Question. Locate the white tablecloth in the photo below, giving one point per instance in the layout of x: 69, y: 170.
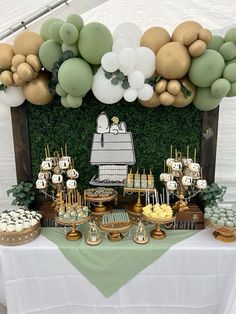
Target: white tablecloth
x: 195, y: 276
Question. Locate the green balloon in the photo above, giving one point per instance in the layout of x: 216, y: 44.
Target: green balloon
x: 76, y: 20
x: 216, y: 42
x: 75, y: 76
x: 49, y: 53
x: 207, y: 68
x: 228, y: 51
x: 44, y: 30
x: 220, y: 88
x: 232, y: 91
x: 54, y: 31
x: 74, y: 102
x: 231, y: 35
x: 64, y: 102
x: 95, y: 40
x: 69, y: 33
x: 230, y: 72
x: 204, y: 101
x: 60, y: 91
x: 73, y: 48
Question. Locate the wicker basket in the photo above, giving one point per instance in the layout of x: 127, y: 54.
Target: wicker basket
x: 17, y: 238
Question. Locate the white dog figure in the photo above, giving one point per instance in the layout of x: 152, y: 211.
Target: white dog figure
x: 103, y: 123
x: 176, y: 168
x: 57, y: 178
x: 201, y: 184
x: 169, y: 161
x: 71, y: 184
x: 46, y: 165
x: 171, y: 185
x: 41, y: 184
x: 194, y: 170
x: 187, y: 180
x: 168, y: 177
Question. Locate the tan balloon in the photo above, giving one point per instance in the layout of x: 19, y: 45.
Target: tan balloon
x: 6, y: 78
x: 173, y: 61
x: 160, y: 86
x: 167, y: 99
x: 17, y: 79
x: 17, y: 59
x: 205, y: 35
x: 25, y: 71
x: 27, y: 43
x: 189, y: 37
x: 180, y: 100
x: 154, y: 38
x: 197, y: 48
x: 34, y: 61
x: 37, y: 91
x: 6, y: 55
x: 153, y: 102
x: 174, y: 87
x: 13, y: 69
x: 183, y: 28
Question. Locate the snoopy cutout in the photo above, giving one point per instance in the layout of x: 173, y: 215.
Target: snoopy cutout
x: 103, y: 123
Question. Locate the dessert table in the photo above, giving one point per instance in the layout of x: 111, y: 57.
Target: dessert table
x: 194, y: 276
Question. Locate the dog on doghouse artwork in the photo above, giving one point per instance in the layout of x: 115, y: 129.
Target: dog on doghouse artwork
x: 112, y: 151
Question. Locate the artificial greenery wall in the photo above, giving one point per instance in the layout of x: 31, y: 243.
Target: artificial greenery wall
x: 154, y: 130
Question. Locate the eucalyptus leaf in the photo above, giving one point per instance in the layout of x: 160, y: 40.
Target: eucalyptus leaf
x: 115, y: 81
x: 108, y: 75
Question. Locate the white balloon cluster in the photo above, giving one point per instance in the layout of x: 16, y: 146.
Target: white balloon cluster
x: 135, y: 62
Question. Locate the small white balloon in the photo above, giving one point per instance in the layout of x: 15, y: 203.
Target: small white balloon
x: 126, y: 70
x: 12, y: 96
x: 104, y: 90
x: 145, y: 61
x: 127, y: 57
x: 130, y: 32
x: 130, y: 94
x: 119, y: 44
x: 136, y: 79
x: 110, y: 62
x: 145, y: 93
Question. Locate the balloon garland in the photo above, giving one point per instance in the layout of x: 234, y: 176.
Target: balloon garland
x: 69, y: 58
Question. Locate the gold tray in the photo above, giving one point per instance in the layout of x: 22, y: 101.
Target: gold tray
x: 74, y: 222
x: 222, y: 233
x: 17, y: 238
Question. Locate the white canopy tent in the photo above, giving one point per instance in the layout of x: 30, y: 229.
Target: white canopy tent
x: 217, y: 15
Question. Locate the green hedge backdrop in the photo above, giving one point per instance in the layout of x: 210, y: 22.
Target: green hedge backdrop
x: 154, y: 130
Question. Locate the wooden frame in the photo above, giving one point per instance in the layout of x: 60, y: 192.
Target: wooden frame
x: 22, y: 146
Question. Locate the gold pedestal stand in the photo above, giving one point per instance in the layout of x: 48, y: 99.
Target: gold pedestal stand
x: 115, y: 236
x: 180, y: 205
x: 74, y: 234
x: 101, y: 208
x: 114, y: 230
x: 158, y: 233
x: 224, y: 237
x: 222, y: 233
x: 98, y: 203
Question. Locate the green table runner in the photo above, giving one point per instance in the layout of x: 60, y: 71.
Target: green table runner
x: 110, y: 265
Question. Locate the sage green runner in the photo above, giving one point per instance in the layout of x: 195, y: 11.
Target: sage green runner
x: 110, y: 265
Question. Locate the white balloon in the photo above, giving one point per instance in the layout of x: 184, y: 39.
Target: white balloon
x: 145, y: 93
x: 104, y: 90
x: 110, y: 62
x: 119, y: 44
x: 136, y: 79
x: 130, y: 32
x: 12, y: 96
x: 145, y: 61
x: 130, y: 94
x: 127, y: 57
x: 126, y: 70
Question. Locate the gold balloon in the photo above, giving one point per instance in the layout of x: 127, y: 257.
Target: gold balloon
x: 27, y: 43
x: 153, y: 102
x: 6, y: 78
x: 189, y: 37
x: 167, y: 99
x: 197, y: 48
x: 174, y: 87
x: 173, y: 61
x: 17, y: 59
x: 205, y: 35
x: 6, y: 55
x: 34, y: 61
x: 25, y: 71
x: 160, y: 86
x: 37, y: 91
x: 17, y: 79
x: 154, y: 38
x: 13, y: 69
x: 180, y: 100
x: 183, y: 28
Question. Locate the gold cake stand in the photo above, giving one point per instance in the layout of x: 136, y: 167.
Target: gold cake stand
x: 158, y: 233
x: 222, y: 233
x: 114, y: 230
x: 74, y: 234
x: 99, y: 203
